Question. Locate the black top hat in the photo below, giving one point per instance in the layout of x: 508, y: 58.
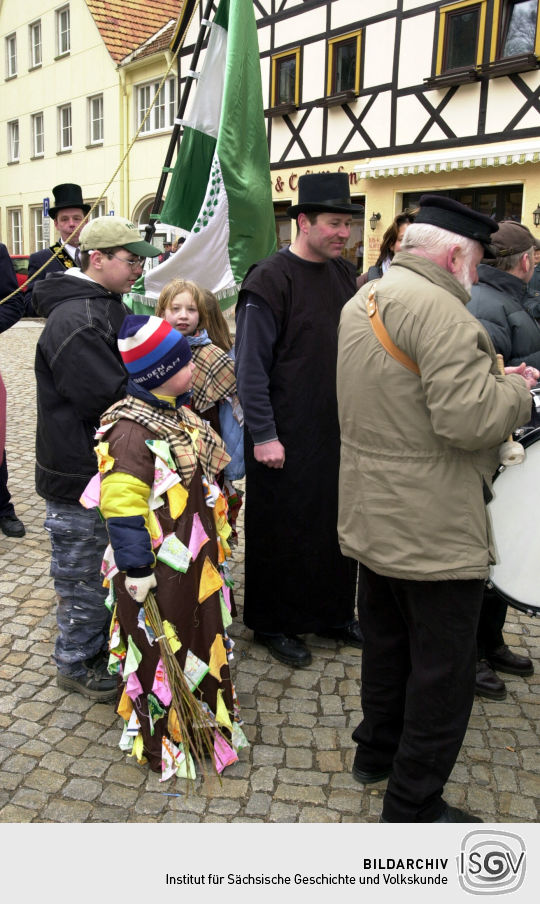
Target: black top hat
x: 67, y: 195
x: 448, y: 214
x: 324, y: 193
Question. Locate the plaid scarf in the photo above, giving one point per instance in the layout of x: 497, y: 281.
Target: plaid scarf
x: 213, y: 377
x: 190, y: 439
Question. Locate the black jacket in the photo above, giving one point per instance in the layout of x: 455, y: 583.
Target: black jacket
x: 79, y: 373
x: 498, y: 300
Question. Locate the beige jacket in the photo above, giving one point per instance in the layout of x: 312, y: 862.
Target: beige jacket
x: 417, y: 451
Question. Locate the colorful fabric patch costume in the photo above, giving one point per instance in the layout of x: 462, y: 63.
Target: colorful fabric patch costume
x: 166, y: 518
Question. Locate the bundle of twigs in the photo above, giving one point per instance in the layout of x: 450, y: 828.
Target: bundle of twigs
x: 196, y: 728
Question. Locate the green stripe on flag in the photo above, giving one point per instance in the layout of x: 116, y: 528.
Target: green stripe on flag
x: 186, y: 194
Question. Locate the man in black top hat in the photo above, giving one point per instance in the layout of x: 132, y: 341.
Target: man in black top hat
x: 296, y: 580
x: 420, y: 438
x: 68, y: 213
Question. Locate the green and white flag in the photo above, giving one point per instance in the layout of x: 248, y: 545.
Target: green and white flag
x: 220, y: 189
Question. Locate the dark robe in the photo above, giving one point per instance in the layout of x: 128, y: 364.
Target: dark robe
x: 296, y: 579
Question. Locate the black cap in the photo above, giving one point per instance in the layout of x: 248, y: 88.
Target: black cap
x: 67, y: 195
x: 448, y: 214
x: 324, y: 193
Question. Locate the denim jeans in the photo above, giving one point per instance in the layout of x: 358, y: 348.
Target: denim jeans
x: 78, y: 541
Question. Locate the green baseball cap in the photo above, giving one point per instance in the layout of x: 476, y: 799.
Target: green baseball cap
x: 115, y: 232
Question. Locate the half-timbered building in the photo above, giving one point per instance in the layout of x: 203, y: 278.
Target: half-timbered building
x: 406, y: 96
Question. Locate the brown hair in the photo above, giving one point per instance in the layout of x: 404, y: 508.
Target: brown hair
x: 390, y: 237
x: 172, y: 289
x: 217, y: 326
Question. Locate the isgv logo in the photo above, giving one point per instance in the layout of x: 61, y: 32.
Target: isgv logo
x: 491, y: 863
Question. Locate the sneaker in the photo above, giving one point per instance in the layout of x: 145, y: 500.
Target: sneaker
x: 96, y: 683
x: 11, y: 526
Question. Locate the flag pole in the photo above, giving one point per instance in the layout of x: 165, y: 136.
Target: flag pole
x: 166, y: 169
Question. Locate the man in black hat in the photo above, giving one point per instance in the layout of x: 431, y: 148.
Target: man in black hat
x: 423, y: 411
x: 296, y: 580
x: 500, y: 301
x: 68, y: 213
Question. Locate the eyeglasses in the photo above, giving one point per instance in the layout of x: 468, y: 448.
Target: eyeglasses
x: 138, y: 262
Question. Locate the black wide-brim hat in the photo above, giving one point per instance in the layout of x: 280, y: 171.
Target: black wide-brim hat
x: 448, y: 214
x: 67, y: 195
x: 324, y: 193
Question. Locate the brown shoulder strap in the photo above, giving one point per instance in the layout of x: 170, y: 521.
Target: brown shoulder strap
x: 382, y: 335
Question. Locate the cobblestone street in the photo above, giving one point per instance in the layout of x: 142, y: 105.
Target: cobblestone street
x: 59, y: 754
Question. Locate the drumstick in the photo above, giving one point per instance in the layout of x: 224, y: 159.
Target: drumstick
x: 511, y: 452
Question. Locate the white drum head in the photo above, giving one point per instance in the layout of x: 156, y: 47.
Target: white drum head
x: 515, y: 519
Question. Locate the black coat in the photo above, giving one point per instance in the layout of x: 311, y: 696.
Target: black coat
x: 10, y: 311
x: 296, y: 579
x: 35, y: 261
x: 79, y: 373
x: 499, y: 301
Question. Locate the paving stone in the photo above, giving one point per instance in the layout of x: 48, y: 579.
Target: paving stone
x: 118, y: 796
x: 124, y: 774
x: 258, y: 804
x: 82, y: 789
x: 43, y: 780
x: 299, y: 758
x: 266, y: 756
x: 10, y: 813
x: 30, y: 798
x: 318, y: 814
x: 150, y: 804
x: 109, y: 814
x: 263, y: 779
x: 88, y: 767
x: 66, y: 811
x: 57, y: 762
x: 300, y: 793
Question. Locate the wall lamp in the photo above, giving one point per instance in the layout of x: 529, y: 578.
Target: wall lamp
x: 536, y: 216
x: 375, y: 217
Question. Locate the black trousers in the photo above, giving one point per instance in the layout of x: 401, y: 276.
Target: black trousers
x: 491, y: 623
x: 6, y: 506
x: 418, y: 680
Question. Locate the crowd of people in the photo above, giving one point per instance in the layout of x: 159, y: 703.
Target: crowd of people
x: 365, y: 516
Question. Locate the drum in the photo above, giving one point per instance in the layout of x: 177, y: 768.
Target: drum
x: 515, y: 520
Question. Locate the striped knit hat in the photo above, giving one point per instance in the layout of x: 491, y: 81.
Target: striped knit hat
x: 151, y: 350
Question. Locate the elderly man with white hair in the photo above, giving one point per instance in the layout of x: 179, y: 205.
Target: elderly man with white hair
x: 422, y: 412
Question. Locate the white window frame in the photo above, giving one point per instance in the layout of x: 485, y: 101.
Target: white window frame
x: 15, y: 227
x: 35, y: 44
x: 39, y: 241
x: 63, y: 31
x: 11, y: 55
x: 95, y: 123
x: 38, y: 135
x: 163, y: 112
x: 65, y: 129
x: 100, y: 210
x: 14, y: 145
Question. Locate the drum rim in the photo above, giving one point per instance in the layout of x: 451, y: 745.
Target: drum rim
x: 530, y: 609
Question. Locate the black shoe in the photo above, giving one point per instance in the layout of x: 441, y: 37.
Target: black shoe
x: 11, y: 526
x: 368, y: 778
x: 488, y: 684
x: 286, y: 647
x: 96, y: 683
x: 350, y: 635
x: 451, y: 814
x: 454, y: 814
x: 503, y: 660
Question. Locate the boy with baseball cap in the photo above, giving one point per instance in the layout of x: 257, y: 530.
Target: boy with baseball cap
x: 79, y: 373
